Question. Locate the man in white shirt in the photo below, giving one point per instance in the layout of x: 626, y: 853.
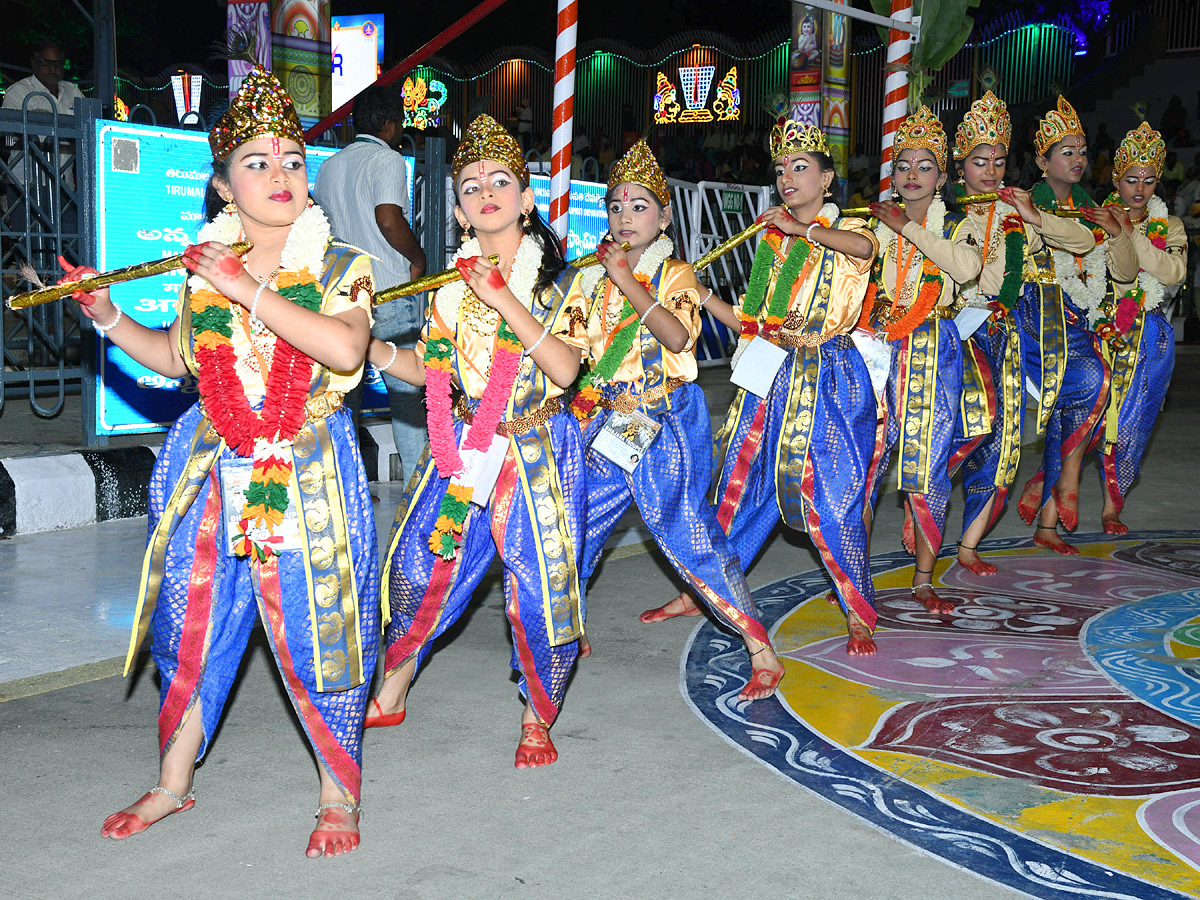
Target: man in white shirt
x: 363, y: 190
x: 30, y: 94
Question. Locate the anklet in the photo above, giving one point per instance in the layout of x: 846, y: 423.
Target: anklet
x: 1046, y: 527
x: 962, y: 546
x: 179, y: 801
x: 760, y: 650
x: 346, y: 806
x: 922, y: 571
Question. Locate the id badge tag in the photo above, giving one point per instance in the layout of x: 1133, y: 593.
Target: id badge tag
x: 1032, y: 389
x: 625, y: 438
x: 760, y: 362
x: 235, y: 478
x: 877, y: 354
x: 969, y: 319
x: 482, y: 469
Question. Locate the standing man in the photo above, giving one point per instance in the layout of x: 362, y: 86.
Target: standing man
x: 363, y: 190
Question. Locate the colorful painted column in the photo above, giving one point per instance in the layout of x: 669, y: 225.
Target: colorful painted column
x: 895, y: 91
x: 835, y: 117
x: 564, y: 116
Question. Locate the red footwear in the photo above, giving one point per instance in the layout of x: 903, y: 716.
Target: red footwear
x: 908, y: 536
x: 585, y: 647
x: 1031, y: 499
x: 380, y: 719
x: 333, y: 841
x: 1068, y: 509
x: 1114, y: 525
x: 683, y: 607
x: 1058, y: 546
x: 535, y: 748
x: 762, y: 683
x: 123, y: 824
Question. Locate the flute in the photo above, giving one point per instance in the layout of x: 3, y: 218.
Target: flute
x: 430, y: 282
x: 1070, y: 213
x: 116, y: 276
x: 988, y: 197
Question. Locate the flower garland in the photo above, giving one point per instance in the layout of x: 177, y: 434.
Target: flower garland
x: 446, y: 537
x: 266, y: 435
x: 929, y: 286
x: 602, y: 372
x: 1087, y: 292
x: 1012, y: 227
x: 795, y: 270
x: 1155, y: 227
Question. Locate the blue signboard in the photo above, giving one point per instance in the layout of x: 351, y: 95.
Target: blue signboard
x: 587, y: 220
x: 150, y: 185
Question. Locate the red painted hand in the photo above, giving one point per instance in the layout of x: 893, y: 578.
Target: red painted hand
x: 890, y: 214
x: 78, y: 273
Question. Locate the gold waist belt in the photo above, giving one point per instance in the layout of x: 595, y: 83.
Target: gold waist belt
x: 628, y: 402
x: 323, y: 405
x: 519, y: 425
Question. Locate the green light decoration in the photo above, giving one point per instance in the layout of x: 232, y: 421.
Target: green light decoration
x: 423, y: 102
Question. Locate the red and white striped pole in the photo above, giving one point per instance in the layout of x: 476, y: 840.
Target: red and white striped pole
x: 564, y: 116
x: 895, y: 91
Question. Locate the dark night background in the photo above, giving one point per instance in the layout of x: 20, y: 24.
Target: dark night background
x: 152, y: 35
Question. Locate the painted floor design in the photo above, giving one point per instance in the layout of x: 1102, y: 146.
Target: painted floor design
x: 1046, y: 735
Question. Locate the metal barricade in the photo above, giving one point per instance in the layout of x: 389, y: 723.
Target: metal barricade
x: 707, y: 213
x: 44, y: 216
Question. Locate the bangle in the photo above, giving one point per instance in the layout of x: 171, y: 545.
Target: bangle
x: 808, y: 233
x: 707, y: 297
x: 254, y: 320
x: 651, y: 309
x: 105, y: 329
x: 395, y: 350
x: 538, y: 342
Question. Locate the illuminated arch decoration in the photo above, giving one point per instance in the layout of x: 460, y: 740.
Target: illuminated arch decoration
x: 696, y: 82
x: 423, y: 102
x: 666, y: 107
x: 728, y: 104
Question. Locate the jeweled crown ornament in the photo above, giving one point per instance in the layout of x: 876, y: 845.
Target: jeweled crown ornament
x: 922, y: 131
x: 638, y: 166
x: 261, y: 107
x: 986, y: 122
x: 791, y: 136
x: 1143, y: 146
x: 485, y: 138
x: 1056, y: 125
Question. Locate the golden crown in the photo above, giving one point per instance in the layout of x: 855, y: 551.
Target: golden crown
x: 485, y: 138
x: 638, y: 166
x: 790, y: 136
x: 922, y: 131
x: 1141, y: 147
x: 986, y: 122
x: 261, y: 107
x: 1057, y: 124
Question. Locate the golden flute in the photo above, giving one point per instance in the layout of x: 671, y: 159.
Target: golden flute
x: 989, y: 197
x: 1068, y: 213
x: 725, y: 246
x: 117, y: 276
x: 430, y: 282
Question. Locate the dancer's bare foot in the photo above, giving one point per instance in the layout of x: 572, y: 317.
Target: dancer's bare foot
x: 683, y: 605
x: 1031, y: 499
x: 585, y: 647
x: 766, y: 671
x: 861, y: 642
x: 930, y: 600
x: 1112, y: 524
x: 1047, y: 536
x: 908, y: 535
x: 535, y: 748
x: 157, y: 803
x: 1068, y: 508
x: 336, y: 832
x: 969, y: 559
x: 831, y: 598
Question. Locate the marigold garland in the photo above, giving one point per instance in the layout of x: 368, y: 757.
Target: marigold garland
x: 446, y: 537
x: 629, y: 323
x: 929, y: 290
x: 1014, y: 264
x: 795, y: 269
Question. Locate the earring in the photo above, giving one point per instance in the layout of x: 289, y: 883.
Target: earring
x: 895, y: 196
x: 828, y: 193
x: 526, y: 223
x: 466, y: 234
x: 230, y: 207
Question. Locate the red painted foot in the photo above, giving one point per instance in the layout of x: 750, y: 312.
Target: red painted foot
x: 1055, y: 543
x: 380, y: 719
x: 680, y: 606
x: 971, y: 561
x: 126, y: 823
x: 535, y: 748
x: 1114, y: 525
x: 585, y: 647
x: 1031, y: 499
x: 336, y: 832
x: 1068, y: 509
x: 860, y: 643
x: 908, y: 537
x: 930, y: 600
x: 762, y: 683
